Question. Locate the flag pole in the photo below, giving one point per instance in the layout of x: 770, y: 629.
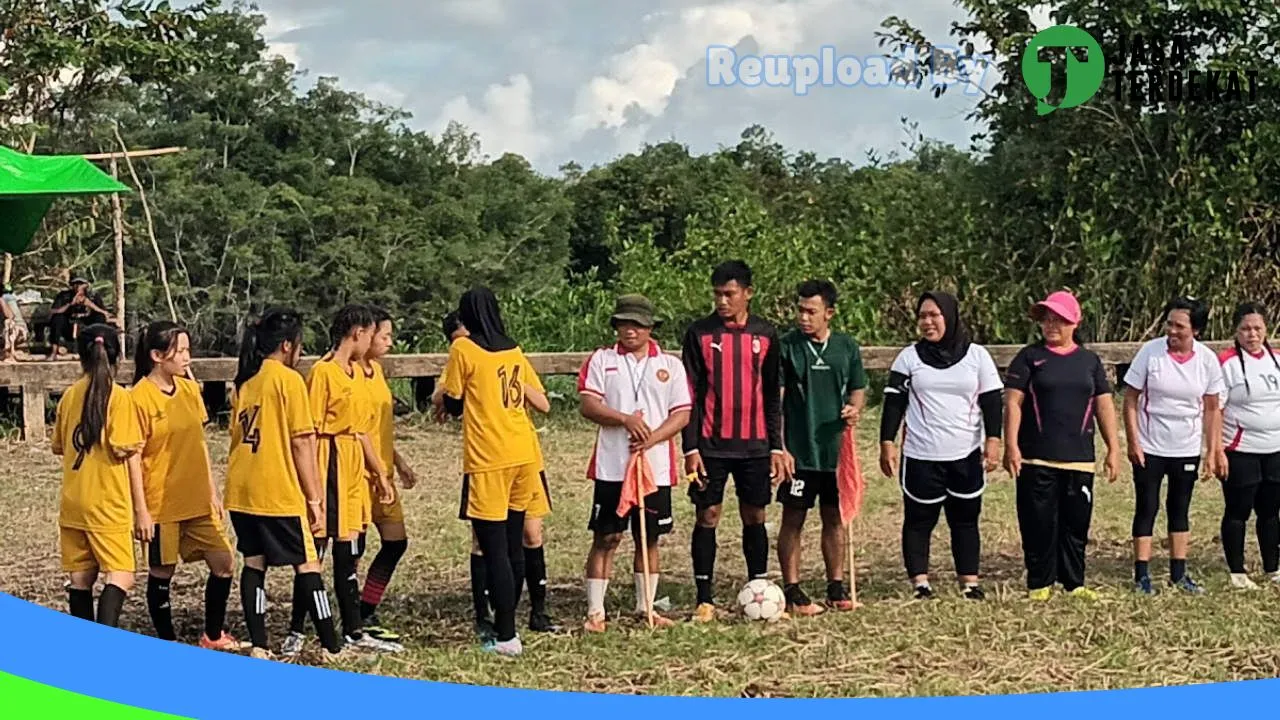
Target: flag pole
x: 644, y: 549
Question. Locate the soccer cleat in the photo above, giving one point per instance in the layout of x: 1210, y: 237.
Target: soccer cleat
x: 293, y: 645
x: 261, y: 654
x: 1040, y: 594
x: 1084, y: 593
x: 373, y: 644
x: 224, y: 643
x: 1143, y: 586
x: 594, y: 624
x: 1241, y: 581
x: 375, y: 629
x: 1189, y: 586
x: 973, y: 592
x: 539, y: 622
x: 506, y: 648
x: 800, y: 604
x: 704, y: 613
x: 923, y: 592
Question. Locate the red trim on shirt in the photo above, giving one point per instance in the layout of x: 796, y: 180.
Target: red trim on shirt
x: 1235, y: 441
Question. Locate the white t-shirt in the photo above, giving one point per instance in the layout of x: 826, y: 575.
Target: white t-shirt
x: 1251, y: 414
x: 656, y: 384
x: 1171, y: 406
x: 943, y: 421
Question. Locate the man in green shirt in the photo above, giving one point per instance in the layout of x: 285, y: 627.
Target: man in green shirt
x: 824, y: 388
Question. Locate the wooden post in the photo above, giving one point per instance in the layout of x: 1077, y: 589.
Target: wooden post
x: 117, y: 227
x: 8, y: 268
x: 34, y: 398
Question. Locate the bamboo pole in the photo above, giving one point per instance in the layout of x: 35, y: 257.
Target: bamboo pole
x: 134, y: 153
x: 151, y: 229
x: 117, y: 227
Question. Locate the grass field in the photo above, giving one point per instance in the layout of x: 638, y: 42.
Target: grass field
x: 891, y: 647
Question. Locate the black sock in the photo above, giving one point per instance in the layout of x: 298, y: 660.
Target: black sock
x: 216, y: 592
x: 379, y: 575
x: 347, y: 588
x: 1177, y: 570
x: 159, y: 607
x: 253, y: 601
x: 835, y: 589
x: 535, y: 562
x: 704, y: 562
x: 755, y: 548
x: 110, y: 602
x: 1141, y: 569
x: 479, y: 593
x: 309, y: 592
x: 80, y: 603
x: 298, y: 614
x: 492, y: 537
x: 515, y: 550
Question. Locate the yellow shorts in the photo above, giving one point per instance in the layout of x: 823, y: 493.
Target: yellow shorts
x: 91, y: 549
x: 393, y: 513
x: 341, y: 465
x: 532, y: 498
x: 491, y: 494
x: 188, y: 540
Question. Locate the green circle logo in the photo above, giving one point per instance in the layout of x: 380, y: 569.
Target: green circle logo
x: 1084, y: 77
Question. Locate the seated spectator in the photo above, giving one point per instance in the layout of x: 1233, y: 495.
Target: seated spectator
x: 14, y: 329
x: 74, y: 308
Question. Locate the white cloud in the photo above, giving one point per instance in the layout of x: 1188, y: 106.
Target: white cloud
x: 475, y: 12
x: 504, y: 119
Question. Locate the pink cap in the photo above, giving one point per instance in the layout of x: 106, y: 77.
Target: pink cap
x: 1062, y: 303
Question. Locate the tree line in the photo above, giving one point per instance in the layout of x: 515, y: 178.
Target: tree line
x: 321, y: 197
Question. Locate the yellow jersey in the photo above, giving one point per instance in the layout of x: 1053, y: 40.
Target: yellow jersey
x: 270, y: 410
x: 496, y: 430
x: 175, y: 459
x: 383, y: 432
x: 95, y: 481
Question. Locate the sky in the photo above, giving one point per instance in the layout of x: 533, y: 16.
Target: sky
x: 590, y: 80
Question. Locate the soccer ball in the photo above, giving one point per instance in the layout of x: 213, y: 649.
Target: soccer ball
x: 761, y: 600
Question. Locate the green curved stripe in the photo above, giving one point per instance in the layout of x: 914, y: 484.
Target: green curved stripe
x: 21, y: 699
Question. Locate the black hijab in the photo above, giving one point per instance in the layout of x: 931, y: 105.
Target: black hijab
x: 954, y: 344
x: 478, y: 311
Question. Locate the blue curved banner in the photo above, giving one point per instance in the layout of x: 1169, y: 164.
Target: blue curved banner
x: 54, y: 649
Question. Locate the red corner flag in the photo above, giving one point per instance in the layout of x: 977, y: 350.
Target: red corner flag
x: 637, y: 483
x: 849, y: 478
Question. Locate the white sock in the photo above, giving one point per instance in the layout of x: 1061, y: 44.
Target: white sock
x: 595, y: 596
x: 653, y: 590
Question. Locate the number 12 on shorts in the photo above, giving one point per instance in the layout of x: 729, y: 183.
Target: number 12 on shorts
x: 797, y: 487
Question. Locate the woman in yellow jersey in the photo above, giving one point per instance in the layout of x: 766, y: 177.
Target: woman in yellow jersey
x: 489, y: 375
x: 530, y: 564
x: 103, y: 507
x: 273, y: 491
x: 178, y: 478
x: 348, y: 463
x: 389, y: 519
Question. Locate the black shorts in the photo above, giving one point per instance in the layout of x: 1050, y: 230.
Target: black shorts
x: 1180, y: 471
x: 283, y: 541
x: 931, y: 481
x: 604, y: 512
x: 1250, y: 469
x: 807, y: 487
x: 751, y: 481
x: 331, y: 497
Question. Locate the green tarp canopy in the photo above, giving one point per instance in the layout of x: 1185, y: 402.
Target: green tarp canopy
x: 29, y: 184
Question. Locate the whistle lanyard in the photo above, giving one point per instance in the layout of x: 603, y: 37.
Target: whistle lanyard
x: 636, y: 382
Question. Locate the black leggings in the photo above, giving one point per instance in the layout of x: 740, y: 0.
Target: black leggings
x: 918, y: 522
x: 1182, y: 474
x: 1252, y: 486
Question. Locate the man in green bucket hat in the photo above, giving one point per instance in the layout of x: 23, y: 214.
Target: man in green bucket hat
x: 639, y: 396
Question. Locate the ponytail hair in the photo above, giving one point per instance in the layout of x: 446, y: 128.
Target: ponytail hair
x: 160, y: 336
x: 1244, y: 310
x: 263, y: 337
x: 99, y: 350
x: 348, y: 319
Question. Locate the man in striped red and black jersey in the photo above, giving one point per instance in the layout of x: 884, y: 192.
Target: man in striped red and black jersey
x: 731, y: 358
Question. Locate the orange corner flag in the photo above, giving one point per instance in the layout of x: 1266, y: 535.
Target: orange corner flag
x: 849, y: 478
x: 637, y: 483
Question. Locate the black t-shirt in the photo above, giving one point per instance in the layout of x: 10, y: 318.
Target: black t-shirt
x: 1058, y: 404
x: 77, y: 312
